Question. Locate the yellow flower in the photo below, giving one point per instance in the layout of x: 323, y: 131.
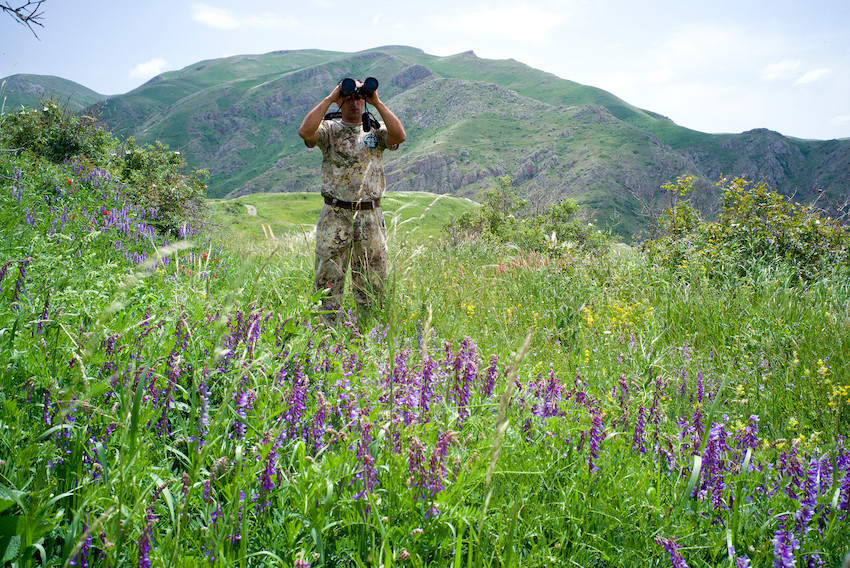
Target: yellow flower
x: 470, y: 310
x: 588, y: 316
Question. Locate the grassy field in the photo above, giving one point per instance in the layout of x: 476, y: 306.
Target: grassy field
x: 408, y: 215
x: 181, y: 403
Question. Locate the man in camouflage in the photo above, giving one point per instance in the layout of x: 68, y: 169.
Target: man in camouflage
x: 351, y: 229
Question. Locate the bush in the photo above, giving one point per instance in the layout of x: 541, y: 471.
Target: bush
x: 158, y: 184
x: 558, y: 230
x: 57, y: 134
x: 756, y: 227
x: 155, y: 178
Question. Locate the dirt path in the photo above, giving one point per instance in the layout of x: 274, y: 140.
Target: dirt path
x: 252, y: 211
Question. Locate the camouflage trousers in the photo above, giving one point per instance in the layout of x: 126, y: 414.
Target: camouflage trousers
x: 351, y: 238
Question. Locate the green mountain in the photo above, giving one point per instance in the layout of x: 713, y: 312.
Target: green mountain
x: 468, y: 120
x: 29, y: 90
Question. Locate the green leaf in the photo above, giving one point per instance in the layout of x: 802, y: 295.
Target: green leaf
x: 10, y: 547
x: 9, y: 497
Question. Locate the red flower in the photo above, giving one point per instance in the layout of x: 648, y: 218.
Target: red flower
x: 106, y: 212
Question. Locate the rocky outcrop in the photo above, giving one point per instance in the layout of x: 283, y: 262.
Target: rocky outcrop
x: 410, y: 76
x: 437, y: 173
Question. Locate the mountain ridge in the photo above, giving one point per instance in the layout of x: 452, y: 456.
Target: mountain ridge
x: 468, y: 120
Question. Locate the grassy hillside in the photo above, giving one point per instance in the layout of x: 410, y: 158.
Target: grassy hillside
x: 17, y: 91
x: 242, y: 126
x: 469, y: 120
x: 410, y: 216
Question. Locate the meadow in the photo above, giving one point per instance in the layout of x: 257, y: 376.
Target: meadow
x: 172, y: 397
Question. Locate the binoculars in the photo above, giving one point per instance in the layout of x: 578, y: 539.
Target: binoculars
x: 348, y: 88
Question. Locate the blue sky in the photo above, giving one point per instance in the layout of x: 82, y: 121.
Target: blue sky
x: 720, y: 66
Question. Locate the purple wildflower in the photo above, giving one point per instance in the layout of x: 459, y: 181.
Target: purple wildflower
x: 742, y: 562
x: 784, y: 545
x: 639, y: 441
x: 437, y: 463
x: 810, y: 497
x: 750, y: 436
x: 672, y: 548
x: 427, y: 479
x: 46, y: 408
x: 379, y: 333
x: 270, y: 471
x: 713, y: 465
x: 843, y: 464
x: 551, y: 396
x: 144, y: 544
x: 367, y: 475
x: 426, y: 380
x: 244, y: 403
x: 464, y: 365
x: 790, y: 466
x: 416, y: 467
x: 297, y: 406
x: 82, y: 557
x: 490, y: 380
x: 44, y: 313
x: 595, y: 436
x: 318, y: 427
x: 700, y: 387
x: 3, y: 270
x: 22, y: 276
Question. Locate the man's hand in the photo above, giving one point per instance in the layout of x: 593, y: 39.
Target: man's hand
x: 310, y: 126
x: 336, y: 95
x: 395, y: 130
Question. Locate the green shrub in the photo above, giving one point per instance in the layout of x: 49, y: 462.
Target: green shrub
x: 156, y: 177
x: 756, y: 227
x: 557, y: 230
x: 158, y: 183
x: 57, y: 134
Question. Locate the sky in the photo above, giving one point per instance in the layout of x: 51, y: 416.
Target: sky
x: 721, y: 67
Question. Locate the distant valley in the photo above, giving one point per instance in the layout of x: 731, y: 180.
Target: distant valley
x: 468, y: 120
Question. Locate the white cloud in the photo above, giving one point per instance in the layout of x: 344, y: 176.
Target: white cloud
x: 840, y: 120
x: 149, y: 69
x: 813, y: 76
x: 223, y: 19
x: 782, y: 70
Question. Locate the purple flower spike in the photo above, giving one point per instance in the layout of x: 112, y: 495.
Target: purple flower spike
x: 810, y: 497
x: 784, y: 545
x: 639, y: 441
x: 595, y: 437
x: 672, y: 548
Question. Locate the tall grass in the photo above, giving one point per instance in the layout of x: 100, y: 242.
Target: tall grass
x: 181, y: 403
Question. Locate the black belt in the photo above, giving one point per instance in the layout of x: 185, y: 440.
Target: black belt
x: 353, y: 205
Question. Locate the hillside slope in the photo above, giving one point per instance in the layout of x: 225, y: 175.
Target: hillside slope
x: 17, y: 91
x: 468, y: 120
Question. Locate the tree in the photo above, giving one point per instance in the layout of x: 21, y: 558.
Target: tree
x: 27, y: 14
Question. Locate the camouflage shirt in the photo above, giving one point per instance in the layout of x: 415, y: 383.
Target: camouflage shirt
x: 352, y: 160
